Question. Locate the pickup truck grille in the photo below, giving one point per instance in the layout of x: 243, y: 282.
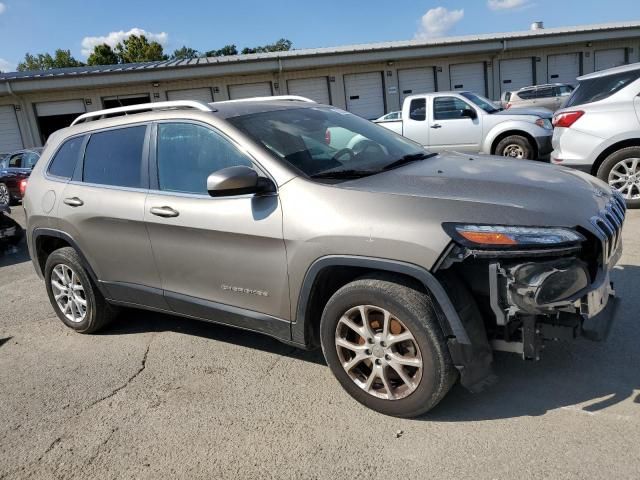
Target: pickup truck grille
x: 608, y: 224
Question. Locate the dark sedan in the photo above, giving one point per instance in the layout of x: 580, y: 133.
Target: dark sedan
x: 15, y: 168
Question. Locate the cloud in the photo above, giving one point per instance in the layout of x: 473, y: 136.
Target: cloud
x: 6, y: 66
x: 437, y: 22
x: 111, y: 39
x: 507, y: 4
x: 3, y: 8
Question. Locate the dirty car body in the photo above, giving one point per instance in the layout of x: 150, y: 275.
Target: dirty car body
x: 531, y: 244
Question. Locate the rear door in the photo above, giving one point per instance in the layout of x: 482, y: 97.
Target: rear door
x: 546, y: 97
x: 212, y: 253
x: 102, y: 208
x: 414, y: 123
x: 449, y: 129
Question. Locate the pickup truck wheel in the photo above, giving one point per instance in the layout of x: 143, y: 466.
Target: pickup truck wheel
x: 74, y: 297
x: 383, y: 343
x: 621, y: 170
x: 515, y: 146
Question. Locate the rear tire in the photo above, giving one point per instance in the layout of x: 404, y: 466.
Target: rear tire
x: 619, y: 172
x: 375, y: 380
x: 516, y: 147
x: 73, y: 295
x: 5, y: 196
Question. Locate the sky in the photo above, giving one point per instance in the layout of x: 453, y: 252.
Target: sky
x: 37, y: 26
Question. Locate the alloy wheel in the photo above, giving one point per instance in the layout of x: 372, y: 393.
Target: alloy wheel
x: 69, y: 293
x: 4, y: 195
x: 625, y: 178
x: 513, y: 151
x: 378, y: 352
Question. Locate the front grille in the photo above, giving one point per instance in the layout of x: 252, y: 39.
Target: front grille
x: 608, y: 224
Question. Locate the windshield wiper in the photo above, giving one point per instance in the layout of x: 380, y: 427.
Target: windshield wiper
x: 345, y: 174
x: 412, y: 157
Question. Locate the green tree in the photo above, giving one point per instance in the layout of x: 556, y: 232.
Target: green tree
x: 225, y: 51
x: 45, y: 61
x: 281, y: 45
x: 185, y: 53
x: 102, y: 55
x: 138, y: 49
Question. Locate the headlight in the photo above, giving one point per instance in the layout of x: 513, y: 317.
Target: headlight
x: 544, y: 123
x: 496, y: 236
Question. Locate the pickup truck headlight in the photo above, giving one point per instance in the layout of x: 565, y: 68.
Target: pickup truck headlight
x: 544, y: 123
x: 497, y: 236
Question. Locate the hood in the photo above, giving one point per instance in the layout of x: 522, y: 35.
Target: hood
x: 497, y: 190
x: 537, y: 112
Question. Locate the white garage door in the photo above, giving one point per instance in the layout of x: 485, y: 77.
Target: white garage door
x: 468, y: 76
x: 317, y: 89
x: 200, y: 94
x: 364, y: 92
x: 64, y: 107
x: 609, y: 58
x: 248, y: 90
x: 515, y: 74
x: 563, y: 68
x: 10, y: 138
x: 416, y: 80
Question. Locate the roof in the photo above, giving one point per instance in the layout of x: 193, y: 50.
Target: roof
x: 311, y: 52
x: 610, y: 71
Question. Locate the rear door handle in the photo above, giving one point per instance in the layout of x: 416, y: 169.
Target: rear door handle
x: 73, y: 202
x: 436, y: 125
x: 166, y: 212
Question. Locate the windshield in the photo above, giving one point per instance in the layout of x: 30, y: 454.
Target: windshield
x: 484, y: 103
x: 323, y: 140
x: 599, y: 88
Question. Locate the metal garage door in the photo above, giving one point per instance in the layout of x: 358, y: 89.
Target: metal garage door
x: 563, y: 68
x: 248, y: 90
x: 515, y: 74
x: 468, y: 76
x: 416, y: 80
x: 200, y: 94
x: 317, y: 89
x: 10, y: 138
x: 364, y: 92
x: 65, y: 107
x: 609, y: 58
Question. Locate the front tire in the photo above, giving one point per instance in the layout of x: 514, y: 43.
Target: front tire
x: 383, y: 343
x: 621, y: 170
x: 515, y: 146
x: 73, y: 295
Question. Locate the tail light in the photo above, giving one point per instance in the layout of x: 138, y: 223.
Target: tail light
x: 327, y: 137
x: 566, y: 119
x: 23, y: 186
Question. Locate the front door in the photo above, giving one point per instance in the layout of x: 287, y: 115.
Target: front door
x: 450, y: 129
x: 218, y: 254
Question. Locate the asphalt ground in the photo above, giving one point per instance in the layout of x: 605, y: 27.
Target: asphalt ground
x: 156, y: 396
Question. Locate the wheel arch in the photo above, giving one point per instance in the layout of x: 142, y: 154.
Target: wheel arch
x: 521, y: 133
x: 602, y: 156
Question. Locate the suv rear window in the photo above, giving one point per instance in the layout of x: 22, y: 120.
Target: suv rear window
x: 114, y: 157
x: 600, y: 88
x: 64, y: 162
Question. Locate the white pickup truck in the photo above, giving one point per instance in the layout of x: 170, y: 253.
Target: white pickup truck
x: 464, y: 121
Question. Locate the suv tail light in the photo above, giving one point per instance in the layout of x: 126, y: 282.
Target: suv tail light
x: 567, y: 119
x: 23, y: 186
x: 327, y: 137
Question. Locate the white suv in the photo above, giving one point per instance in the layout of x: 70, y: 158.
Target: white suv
x: 598, y: 131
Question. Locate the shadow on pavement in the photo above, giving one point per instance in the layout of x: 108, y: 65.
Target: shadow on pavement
x: 12, y: 255
x: 582, y: 372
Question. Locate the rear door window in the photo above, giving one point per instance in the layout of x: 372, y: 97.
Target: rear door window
x: 65, y: 160
x: 599, y: 88
x: 114, y: 157
x: 418, y: 109
x: 545, y: 92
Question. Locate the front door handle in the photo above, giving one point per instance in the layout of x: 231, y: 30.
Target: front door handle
x: 436, y: 125
x: 166, y: 212
x: 73, y: 202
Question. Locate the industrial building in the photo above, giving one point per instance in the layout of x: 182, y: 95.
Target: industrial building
x: 368, y: 80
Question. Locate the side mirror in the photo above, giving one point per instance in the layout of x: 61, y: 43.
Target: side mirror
x: 238, y: 180
x: 469, y: 113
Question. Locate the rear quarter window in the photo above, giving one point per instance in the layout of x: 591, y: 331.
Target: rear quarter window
x: 65, y: 160
x: 599, y: 88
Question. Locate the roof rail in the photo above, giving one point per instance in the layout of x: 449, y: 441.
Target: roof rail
x: 143, y: 107
x: 273, y: 98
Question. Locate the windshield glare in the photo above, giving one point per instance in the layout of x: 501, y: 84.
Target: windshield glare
x: 317, y: 140
x: 484, y: 103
